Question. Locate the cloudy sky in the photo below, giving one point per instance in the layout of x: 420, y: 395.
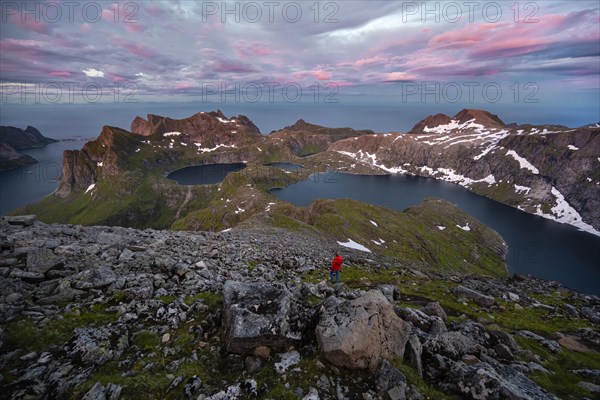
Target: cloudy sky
x: 177, y: 50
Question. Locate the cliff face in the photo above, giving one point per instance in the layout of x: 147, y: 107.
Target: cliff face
x: 550, y: 171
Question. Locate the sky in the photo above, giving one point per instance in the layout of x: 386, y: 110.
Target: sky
x: 502, y: 55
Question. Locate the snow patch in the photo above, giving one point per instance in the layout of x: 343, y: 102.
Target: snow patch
x: 351, y: 244
x: 100, y: 164
x: 208, y: 150
x: 441, y: 227
x: 91, y: 187
x: 239, y: 210
x: 520, y: 189
x: 373, y: 222
x: 224, y: 120
x: 171, y: 134
x: 571, y: 147
x: 225, y: 230
x: 523, y: 163
x: 466, y: 228
x: 563, y: 212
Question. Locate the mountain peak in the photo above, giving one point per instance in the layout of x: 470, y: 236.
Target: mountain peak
x: 480, y: 116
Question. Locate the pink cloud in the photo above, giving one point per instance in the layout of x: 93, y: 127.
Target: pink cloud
x: 85, y: 27
x: 134, y: 27
x: 245, y: 50
x: 398, y: 76
x: 135, y: 49
x: 322, y: 75
x: 61, y: 74
x: 28, y: 22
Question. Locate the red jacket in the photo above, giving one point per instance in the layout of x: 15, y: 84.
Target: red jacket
x: 336, y: 264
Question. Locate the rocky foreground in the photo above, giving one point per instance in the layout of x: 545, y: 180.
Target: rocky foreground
x: 109, y: 313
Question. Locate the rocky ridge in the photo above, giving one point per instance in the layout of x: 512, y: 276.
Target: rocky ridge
x: 109, y: 312
x: 552, y: 171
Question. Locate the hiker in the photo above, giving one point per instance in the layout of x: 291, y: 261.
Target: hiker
x: 336, y: 266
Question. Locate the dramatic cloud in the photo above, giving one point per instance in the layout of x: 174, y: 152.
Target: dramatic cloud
x: 176, y: 47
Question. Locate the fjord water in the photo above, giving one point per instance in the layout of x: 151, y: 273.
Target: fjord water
x: 26, y: 185
x: 536, y: 245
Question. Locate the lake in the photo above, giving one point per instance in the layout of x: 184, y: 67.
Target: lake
x: 537, y: 246
x: 204, y: 174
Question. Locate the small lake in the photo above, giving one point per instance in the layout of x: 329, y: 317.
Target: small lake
x: 286, y: 166
x: 207, y: 174
x: 537, y: 246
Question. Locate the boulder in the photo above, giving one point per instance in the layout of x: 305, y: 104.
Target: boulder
x: 95, y: 346
x: 479, y: 298
x: 261, y: 314
x: 360, y: 333
x: 453, y: 345
x: 42, y: 260
x: 94, y: 278
x: 99, y: 392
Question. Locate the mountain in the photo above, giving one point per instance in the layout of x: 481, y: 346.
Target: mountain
x: 10, y: 158
x: 551, y: 171
x: 119, y: 177
x: 304, y: 138
x: 12, y: 139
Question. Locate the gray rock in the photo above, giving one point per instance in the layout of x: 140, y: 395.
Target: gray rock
x: 479, y: 298
x: 261, y: 314
x: 95, y: 346
x: 43, y: 260
x: 99, y: 392
x: 453, y: 345
x: 589, y: 386
x: 482, y: 381
x: 94, y: 278
x: 413, y: 353
x: 391, y: 292
x: 435, y: 309
x: 20, y: 220
x: 14, y: 298
x: 192, y: 386
x: 389, y: 377
x: 503, y: 352
x: 360, y: 332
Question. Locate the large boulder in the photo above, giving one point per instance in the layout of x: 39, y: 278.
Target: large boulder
x: 360, y: 333
x: 261, y: 314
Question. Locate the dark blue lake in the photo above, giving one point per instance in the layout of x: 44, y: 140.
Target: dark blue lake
x: 537, y: 246
x: 204, y: 174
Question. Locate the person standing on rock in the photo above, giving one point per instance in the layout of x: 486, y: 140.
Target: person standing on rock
x: 336, y: 267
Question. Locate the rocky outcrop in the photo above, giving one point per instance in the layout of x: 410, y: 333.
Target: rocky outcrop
x: 551, y: 171
x: 360, y: 333
x: 261, y: 314
x: 20, y: 139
